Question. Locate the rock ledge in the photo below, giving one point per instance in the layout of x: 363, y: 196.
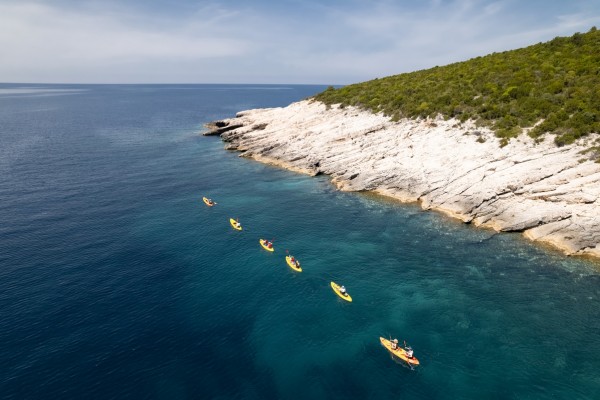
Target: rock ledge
x: 544, y: 191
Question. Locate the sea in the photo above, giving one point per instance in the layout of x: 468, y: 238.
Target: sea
x: 118, y: 282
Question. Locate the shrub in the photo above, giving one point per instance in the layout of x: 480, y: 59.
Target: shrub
x: 555, y: 85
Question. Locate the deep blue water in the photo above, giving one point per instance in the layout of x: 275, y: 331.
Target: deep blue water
x: 116, y: 281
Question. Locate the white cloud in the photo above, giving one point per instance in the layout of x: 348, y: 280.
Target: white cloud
x: 307, y: 42
x: 445, y: 32
x: 36, y: 36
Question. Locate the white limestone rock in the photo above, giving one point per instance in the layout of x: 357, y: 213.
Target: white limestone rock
x: 539, y: 189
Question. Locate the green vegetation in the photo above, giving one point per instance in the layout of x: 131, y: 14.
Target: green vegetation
x: 551, y: 87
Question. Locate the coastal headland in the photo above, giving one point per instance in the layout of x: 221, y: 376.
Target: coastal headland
x: 548, y: 193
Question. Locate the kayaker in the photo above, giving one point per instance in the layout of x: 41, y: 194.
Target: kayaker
x: 237, y: 224
x: 293, y: 260
x: 395, y: 344
x: 269, y: 244
x: 409, y: 351
x: 343, y: 290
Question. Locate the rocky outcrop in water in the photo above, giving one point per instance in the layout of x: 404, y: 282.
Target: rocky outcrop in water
x: 550, y: 193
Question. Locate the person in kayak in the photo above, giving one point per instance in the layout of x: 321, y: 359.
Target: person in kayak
x: 293, y: 260
x: 343, y: 290
x: 409, y: 351
x: 237, y: 224
x: 210, y: 202
x: 394, y: 344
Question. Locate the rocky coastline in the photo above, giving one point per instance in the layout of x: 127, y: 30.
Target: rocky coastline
x: 547, y: 192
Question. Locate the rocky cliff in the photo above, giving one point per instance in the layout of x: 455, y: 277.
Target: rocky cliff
x: 549, y: 193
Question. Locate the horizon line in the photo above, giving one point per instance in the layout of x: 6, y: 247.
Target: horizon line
x: 166, y: 83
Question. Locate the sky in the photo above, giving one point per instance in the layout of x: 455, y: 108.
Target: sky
x: 333, y: 42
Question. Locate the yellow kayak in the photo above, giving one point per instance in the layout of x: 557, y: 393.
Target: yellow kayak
x: 264, y: 243
x: 235, y: 224
x: 336, y: 289
x: 398, y: 352
x: 295, y: 265
x: 208, y: 202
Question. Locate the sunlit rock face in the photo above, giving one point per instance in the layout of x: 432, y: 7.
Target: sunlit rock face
x: 550, y: 193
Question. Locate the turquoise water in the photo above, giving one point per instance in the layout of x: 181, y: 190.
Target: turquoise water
x: 118, y: 282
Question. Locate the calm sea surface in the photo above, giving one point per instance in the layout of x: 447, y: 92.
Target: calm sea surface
x: 117, y: 282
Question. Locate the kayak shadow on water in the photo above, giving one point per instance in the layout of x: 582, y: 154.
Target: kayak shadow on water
x: 402, y: 363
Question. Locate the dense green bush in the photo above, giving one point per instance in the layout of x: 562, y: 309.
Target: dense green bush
x: 551, y: 87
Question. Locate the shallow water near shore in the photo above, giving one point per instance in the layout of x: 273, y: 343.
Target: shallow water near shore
x: 118, y: 282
